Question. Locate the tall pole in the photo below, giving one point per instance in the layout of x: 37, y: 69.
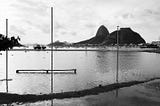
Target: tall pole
x: 51, y: 50
x: 117, y: 72
x: 7, y: 58
x: 117, y: 55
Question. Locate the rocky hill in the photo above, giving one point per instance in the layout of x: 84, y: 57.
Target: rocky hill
x: 126, y: 36
x: 101, y: 35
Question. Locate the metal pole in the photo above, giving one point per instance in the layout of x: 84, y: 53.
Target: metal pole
x: 117, y: 60
x: 51, y: 50
x: 117, y: 55
x: 7, y: 58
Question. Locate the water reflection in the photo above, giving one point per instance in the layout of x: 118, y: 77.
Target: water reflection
x: 94, y: 68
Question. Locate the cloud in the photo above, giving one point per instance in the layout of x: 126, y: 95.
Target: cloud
x: 30, y: 7
x: 127, y: 15
x: 43, y: 27
x: 90, y: 25
x: 77, y: 20
x: 30, y: 18
x: 59, y: 26
x: 19, y: 31
x: 73, y: 33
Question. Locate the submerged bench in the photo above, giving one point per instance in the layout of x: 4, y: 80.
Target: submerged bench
x: 45, y: 71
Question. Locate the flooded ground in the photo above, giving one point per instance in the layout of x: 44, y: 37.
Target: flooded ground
x: 93, y: 68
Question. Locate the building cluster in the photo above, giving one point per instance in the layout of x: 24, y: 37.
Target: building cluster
x: 156, y: 43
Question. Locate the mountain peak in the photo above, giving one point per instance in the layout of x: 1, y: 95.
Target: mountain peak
x: 101, y: 35
x: 102, y: 31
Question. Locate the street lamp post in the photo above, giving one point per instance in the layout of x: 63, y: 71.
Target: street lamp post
x: 7, y: 58
x: 51, y: 50
x: 117, y: 71
x: 117, y: 55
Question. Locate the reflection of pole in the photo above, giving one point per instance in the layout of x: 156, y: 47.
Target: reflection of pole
x: 7, y: 58
x: 117, y: 54
x: 86, y: 46
x: 51, y: 50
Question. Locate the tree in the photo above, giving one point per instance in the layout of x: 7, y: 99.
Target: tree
x: 8, y: 43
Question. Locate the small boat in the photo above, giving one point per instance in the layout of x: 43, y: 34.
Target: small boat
x: 39, y: 47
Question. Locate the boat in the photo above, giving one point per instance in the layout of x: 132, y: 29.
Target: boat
x: 39, y: 47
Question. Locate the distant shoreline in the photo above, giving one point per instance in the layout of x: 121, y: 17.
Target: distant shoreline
x: 93, y: 49
x: 101, y: 49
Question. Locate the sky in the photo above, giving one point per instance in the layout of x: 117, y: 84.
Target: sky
x: 76, y: 20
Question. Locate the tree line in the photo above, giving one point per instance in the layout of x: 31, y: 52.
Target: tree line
x: 7, y: 43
